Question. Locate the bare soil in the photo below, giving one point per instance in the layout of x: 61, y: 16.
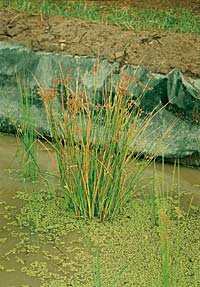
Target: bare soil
x: 159, y: 51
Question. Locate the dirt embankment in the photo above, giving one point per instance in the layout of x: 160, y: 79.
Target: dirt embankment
x: 157, y: 51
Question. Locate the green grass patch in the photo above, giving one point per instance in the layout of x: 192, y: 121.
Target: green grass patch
x: 178, y: 20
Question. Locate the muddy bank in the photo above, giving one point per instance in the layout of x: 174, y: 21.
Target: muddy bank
x: 158, y: 51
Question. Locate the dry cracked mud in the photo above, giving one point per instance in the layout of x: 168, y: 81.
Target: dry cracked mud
x: 159, y: 51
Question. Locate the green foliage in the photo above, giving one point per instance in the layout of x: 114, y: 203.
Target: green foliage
x: 26, y: 132
x: 93, y: 145
x: 180, y: 20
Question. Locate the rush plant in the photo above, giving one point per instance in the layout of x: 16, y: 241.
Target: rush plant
x: 93, y: 145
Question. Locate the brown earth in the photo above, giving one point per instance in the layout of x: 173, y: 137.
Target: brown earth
x: 159, y: 51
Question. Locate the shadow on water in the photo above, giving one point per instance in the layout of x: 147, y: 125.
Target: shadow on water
x: 21, y: 248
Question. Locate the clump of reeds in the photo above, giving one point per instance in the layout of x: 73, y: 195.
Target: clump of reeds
x: 93, y: 145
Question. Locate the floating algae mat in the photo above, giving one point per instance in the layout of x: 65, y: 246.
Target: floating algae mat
x: 42, y: 245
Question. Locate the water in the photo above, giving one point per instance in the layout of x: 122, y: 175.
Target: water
x: 20, y: 247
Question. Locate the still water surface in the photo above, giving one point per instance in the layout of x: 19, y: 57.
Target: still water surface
x: 187, y: 181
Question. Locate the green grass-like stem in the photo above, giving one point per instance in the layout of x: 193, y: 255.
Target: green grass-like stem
x: 179, y: 20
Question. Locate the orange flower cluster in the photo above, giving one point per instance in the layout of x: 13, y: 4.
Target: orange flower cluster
x: 47, y: 94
